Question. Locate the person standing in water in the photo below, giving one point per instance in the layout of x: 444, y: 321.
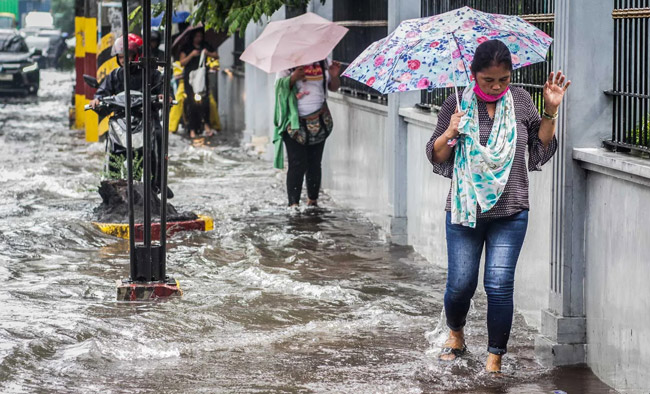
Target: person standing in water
x: 487, y: 205
x: 197, y: 107
x: 303, y: 92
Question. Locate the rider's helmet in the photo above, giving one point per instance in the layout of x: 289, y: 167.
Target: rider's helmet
x: 135, y: 45
x: 156, y: 36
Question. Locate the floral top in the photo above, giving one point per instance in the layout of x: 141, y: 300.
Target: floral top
x: 515, y: 196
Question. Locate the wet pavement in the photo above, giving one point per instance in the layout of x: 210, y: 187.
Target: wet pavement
x: 275, y: 301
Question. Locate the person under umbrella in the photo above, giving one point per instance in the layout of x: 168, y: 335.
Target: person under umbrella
x: 297, y: 50
x: 487, y: 206
x: 307, y: 87
x: 197, y: 107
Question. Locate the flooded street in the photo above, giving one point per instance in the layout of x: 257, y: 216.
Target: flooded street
x: 275, y: 301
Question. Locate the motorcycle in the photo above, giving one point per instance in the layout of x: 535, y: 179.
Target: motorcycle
x: 115, y: 166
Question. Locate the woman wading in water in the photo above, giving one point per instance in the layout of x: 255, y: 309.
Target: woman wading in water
x: 488, y: 205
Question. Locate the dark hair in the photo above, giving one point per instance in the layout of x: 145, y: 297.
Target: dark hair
x: 491, y: 53
x: 155, y: 36
x: 194, y: 32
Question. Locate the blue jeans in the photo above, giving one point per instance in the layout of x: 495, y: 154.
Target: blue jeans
x: 503, y: 238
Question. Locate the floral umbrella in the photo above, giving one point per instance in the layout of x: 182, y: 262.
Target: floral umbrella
x: 437, y: 51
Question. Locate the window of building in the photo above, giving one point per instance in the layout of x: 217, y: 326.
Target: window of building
x: 239, y: 46
x: 292, y: 12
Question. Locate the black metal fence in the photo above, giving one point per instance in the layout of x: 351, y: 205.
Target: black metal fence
x: 368, y: 22
x: 538, y: 12
x: 631, y: 81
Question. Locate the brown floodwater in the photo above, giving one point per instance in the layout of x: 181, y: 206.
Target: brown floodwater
x: 275, y: 301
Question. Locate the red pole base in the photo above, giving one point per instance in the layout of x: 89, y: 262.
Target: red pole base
x: 147, y: 291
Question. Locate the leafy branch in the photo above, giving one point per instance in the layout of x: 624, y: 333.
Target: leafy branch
x: 117, y: 168
x: 233, y: 16
x: 226, y: 15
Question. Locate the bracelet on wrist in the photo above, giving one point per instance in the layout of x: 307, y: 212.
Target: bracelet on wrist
x: 550, y: 116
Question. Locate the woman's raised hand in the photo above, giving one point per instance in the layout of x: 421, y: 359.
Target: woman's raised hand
x: 335, y: 68
x: 554, y: 89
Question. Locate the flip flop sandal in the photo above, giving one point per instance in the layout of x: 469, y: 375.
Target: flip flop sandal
x: 456, y: 352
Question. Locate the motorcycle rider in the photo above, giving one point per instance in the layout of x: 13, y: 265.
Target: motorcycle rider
x: 113, y: 84
x: 156, y: 39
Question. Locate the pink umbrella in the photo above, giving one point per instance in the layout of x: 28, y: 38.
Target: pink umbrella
x: 293, y: 42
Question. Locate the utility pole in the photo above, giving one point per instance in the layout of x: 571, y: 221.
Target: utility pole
x: 148, y: 274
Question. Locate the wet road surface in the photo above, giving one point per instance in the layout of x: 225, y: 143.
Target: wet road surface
x: 275, y: 301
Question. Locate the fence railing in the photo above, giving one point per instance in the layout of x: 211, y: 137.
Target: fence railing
x: 538, y: 12
x: 367, y: 21
x: 631, y: 79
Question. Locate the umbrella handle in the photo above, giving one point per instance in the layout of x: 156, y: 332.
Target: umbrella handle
x: 453, y: 142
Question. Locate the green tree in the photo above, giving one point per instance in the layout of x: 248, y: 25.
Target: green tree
x: 228, y: 15
x: 63, y: 13
x: 232, y: 16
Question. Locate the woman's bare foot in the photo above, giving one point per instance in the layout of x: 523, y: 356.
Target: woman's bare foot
x: 454, y: 346
x: 312, y: 203
x: 208, y: 131
x: 192, y: 134
x: 493, y: 363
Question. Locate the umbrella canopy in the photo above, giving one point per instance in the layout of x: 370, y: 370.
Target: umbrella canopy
x: 177, y: 17
x: 293, y: 42
x: 437, y: 51
x: 211, y: 37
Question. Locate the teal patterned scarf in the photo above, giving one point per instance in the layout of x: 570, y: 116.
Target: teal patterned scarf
x: 481, y: 172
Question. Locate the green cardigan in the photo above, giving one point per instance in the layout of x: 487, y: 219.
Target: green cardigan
x: 286, y: 114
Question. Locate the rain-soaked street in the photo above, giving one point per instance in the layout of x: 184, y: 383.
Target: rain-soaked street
x: 274, y: 300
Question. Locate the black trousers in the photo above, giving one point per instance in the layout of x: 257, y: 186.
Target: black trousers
x: 196, y: 114
x: 303, y: 160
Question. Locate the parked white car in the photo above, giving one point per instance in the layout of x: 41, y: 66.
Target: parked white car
x: 41, y: 20
x: 39, y: 33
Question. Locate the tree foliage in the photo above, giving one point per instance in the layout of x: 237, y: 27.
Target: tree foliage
x: 233, y: 16
x: 63, y: 13
x: 227, y: 15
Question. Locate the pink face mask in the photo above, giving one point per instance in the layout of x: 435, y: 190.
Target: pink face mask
x: 488, y: 97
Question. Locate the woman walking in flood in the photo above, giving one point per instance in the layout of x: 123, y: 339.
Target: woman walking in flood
x: 482, y: 148
x: 303, y: 121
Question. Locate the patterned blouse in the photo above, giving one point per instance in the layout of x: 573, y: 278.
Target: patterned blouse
x: 515, y: 196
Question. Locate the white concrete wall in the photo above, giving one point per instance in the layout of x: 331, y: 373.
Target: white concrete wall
x: 426, y: 191
x: 231, y: 90
x: 532, y: 279
x: 618, y: 270
x: 260, y: 92
x: 354, y: 160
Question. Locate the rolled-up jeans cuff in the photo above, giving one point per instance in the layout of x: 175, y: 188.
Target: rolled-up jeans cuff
x: 497, y: 351
x: 454, y: 328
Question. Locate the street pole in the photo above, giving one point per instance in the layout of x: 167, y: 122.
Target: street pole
x: 148, y: 278
x: 164, y: 141
x: 145, y: 62
x: 129, y: 151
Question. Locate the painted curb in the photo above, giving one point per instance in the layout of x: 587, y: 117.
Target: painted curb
x: 121, y: 230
